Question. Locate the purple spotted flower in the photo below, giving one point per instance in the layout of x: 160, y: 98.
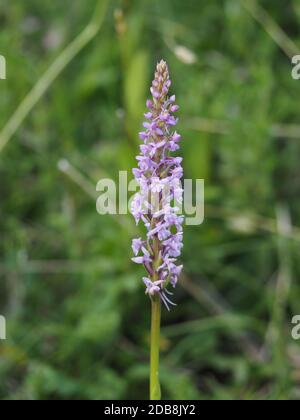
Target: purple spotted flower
x: 157, y: 203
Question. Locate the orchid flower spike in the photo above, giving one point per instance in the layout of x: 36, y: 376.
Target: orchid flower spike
x: 159, y: 177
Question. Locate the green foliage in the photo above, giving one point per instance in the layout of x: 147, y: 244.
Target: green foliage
x: 77, y: 319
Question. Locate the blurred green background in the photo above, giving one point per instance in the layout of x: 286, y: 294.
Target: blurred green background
x: 77, y: 317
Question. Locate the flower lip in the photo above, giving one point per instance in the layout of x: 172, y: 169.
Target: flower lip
x: 152, y: 287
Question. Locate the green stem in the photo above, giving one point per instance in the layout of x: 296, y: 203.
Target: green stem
x: 155, y: 393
